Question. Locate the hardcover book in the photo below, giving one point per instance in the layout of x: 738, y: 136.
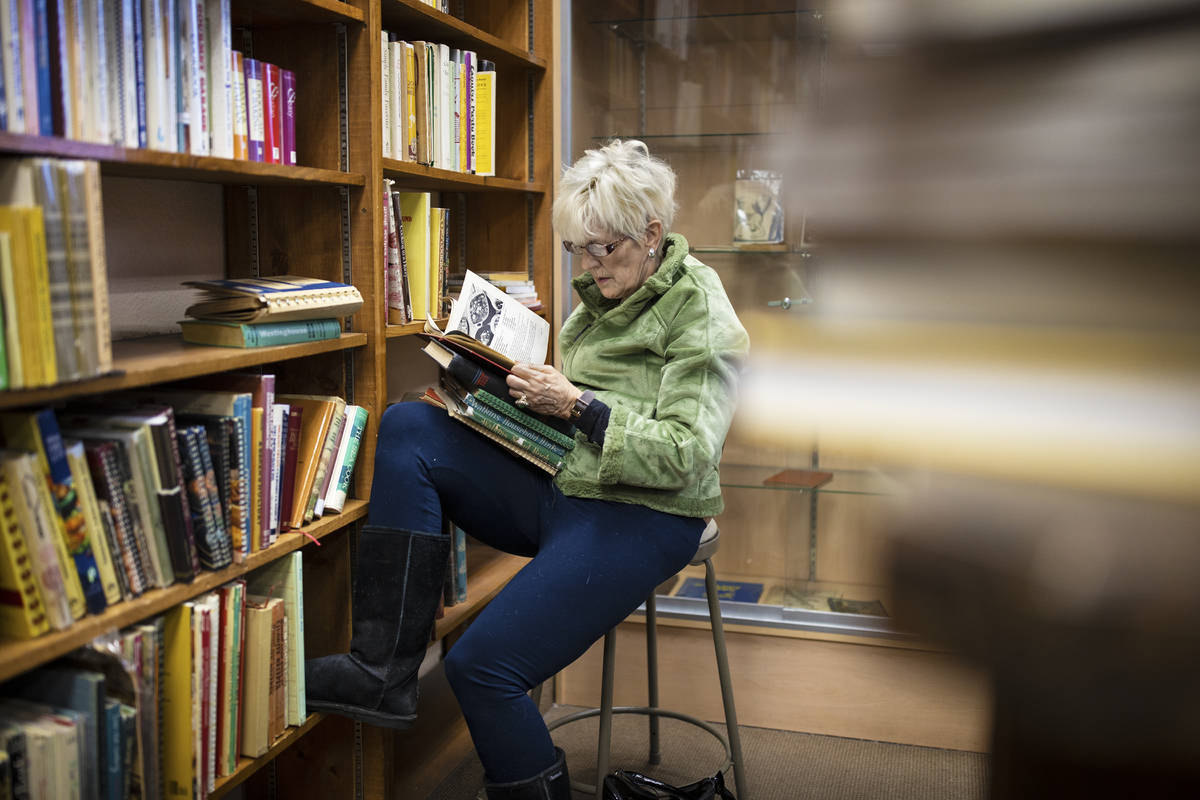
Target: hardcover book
x: 274, y: 299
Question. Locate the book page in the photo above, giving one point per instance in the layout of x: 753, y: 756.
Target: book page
x: 486, y: 313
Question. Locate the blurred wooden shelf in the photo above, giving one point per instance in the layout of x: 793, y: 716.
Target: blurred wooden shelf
x: 160, y: 359
x: 411, y: 174
x: 273, y: 13
x: 18, y: 656
x: 140, y: 163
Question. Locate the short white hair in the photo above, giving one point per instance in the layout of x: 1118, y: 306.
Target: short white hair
x: 616, y: 189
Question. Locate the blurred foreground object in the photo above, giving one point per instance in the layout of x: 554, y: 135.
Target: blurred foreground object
x: 1004, y: 202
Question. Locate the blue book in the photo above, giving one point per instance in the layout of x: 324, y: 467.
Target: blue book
x: 460, y: 564
x: 737, y: 591
x: 128, y: 747
x: 42, y: 34
x: 139, y: 68
x: 81, y: 691
x: 112, y: 786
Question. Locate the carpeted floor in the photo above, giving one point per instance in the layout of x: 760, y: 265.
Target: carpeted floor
x: 780, y: 765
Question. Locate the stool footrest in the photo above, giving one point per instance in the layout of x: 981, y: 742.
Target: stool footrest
x: 645, y: 711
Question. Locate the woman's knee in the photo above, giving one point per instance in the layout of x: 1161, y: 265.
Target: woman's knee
x: 407, y: 421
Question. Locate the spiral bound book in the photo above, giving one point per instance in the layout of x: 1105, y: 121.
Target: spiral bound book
x: 273, y: 299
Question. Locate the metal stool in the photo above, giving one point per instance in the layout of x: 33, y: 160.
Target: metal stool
x: 732, y: 743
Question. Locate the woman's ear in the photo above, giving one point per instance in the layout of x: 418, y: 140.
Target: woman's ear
x: 654, y: 235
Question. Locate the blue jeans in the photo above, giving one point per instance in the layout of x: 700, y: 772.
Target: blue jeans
x: 594, y: 562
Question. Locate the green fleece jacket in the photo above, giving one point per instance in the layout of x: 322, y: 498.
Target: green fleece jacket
x: 666, y: 361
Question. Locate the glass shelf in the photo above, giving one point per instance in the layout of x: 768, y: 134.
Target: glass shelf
x: 861, y: 482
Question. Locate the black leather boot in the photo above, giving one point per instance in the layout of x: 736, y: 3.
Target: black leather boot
x: 552, y: 783
x: 397, y: 584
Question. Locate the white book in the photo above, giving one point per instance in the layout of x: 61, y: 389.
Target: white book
x: 446, y: 114
x: 10, y: 32
x: 279, y: 412
x: 386, y: 63
x: 347, y: 454
x: 21, y: 473
x: 159, y: 122
x: 237, y: 77
x: 192, y: 13
x: 175, y: 103
x: 84, y: 88
x: 97, y: 37
x: 212, y: 609
x: 454, y: 116
x: 122, y: 82
x: 220, y: 78
x: 396, y: 118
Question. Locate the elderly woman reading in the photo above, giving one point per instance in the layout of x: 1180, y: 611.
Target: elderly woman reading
x: 650, y: 357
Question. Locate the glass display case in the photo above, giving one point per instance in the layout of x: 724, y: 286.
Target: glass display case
x: 718, y: 88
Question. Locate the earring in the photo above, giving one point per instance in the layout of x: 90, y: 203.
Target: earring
x: 651, y: 253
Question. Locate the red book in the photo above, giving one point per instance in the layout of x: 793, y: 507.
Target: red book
x: 288, y: 490
x: 273, y: 114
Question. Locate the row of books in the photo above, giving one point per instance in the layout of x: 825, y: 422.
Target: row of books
x: 53, y: 273
x: 100, y: 503
x: 416, y: 255
x: 158, y: 74
x: 439, y: 106
x: 166, y: 707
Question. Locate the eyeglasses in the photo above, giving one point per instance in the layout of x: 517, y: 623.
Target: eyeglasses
x: 595, y: 249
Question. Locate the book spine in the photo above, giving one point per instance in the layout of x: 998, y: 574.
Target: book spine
x: 395, y: 118
x: 469, y: 83
x: 49, y: 196
x: 191, y: 554
x: 99, y: 266
x: 39, y: 277
x: 521, y: 418
x: 69, y: 176
x: 10, y: 29
x: 256, y: 129
x: 410, y: 100
x: 485, y: 118
x: 257, y: 482
x: 288, y: 81
x: 275, y: 426
x: 341, y: 489
x: 139, y: 71
x: 460, y: 563
x: 395, y: 288
x: 238, y: 79
x: 287, y: 493
x: 222, y: 544
x: 510, y: 440
x: 91, y: 511
x: 272, y: 115
x: 105, y: 476
x: 201, y: 139
x: 42, y: 58
x: 386, y: 94
x: 39, y: 540
x: 516, y: 434
x: 22, y: 614
x: 405, y: 289
x: 220, y: 78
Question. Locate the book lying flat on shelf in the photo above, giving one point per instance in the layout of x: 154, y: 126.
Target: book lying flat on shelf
x: 736, y: 591
x: 273, y: 299
x: 262, y: 334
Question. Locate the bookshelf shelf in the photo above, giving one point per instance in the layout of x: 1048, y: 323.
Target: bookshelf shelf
x: 419, y: 21
x: 139, y: 163
x: 488, y: 571
x: 248, y: 766
x: 408, y: 329
x: 271, y: 13
x: 159, y: 359
x: 19, y: 656
x: 407, y: 173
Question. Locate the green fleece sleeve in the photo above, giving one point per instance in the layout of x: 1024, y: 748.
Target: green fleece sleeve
x: 682, y: 438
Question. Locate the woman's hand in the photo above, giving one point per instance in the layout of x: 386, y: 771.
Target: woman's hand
x: 542, y: 388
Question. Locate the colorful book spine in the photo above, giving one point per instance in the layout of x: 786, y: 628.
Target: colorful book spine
x: 40, y: 537
x: 328, y: 451
x: 336, y: 499
x: 22, y: 615
x: 288, y: 82
x: 526, y: 420
x: 238, y: 85
x: 106, y: 477
x: 262, y: 334
x: 86, y: 491
x: 256, y: 129
x: 272, y: 114
x: 519, y: 434
x: 385, y: 86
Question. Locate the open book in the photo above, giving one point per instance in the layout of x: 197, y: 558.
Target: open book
x: 473, y: 388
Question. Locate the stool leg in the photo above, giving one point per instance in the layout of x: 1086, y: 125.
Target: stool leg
x: 652, y: 675
x: 606, y: 711
x: 718, y: 631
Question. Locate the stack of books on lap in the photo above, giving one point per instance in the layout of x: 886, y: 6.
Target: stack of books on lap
x: 487, y: 335
x: 260, y: 312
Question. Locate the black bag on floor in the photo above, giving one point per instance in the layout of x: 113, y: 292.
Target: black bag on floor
x: 622, y: 785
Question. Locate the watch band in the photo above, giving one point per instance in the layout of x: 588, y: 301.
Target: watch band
x: 581, y: 404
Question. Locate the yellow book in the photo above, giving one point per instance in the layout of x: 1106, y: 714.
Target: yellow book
x: 256, y: 480
x: 414, y: 213
x: 464, y: 135
x: 410, y: 99
x: 21, y: 472
x: 48, y: 516
x: 256, y: 665
x: 12, y: 328
x: 22, y: 615
x: 86, y: 491
x: 31, y: 293
x: 179, y: 768
x: 485, y: 119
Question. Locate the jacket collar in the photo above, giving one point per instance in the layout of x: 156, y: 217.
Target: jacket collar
x: 675, y: 251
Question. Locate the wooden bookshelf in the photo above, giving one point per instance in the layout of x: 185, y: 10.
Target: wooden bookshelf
x: 17, y: 657
x: 408, y: 173
x: 136, y: 163
x: 248, y: 766
x: 270, y: 13
x: 158, y: 359
x: 420, y: 21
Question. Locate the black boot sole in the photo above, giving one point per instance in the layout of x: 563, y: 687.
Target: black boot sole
x: 364, y: 715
